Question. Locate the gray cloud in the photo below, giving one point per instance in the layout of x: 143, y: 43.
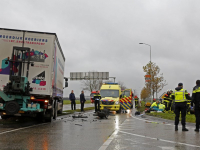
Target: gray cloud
x: 105, y: 36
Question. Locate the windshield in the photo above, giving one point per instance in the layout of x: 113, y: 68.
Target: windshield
x: 109, y: 93
x: 126, y: 93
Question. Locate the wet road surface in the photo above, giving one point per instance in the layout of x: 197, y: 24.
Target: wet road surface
x: 144, y: 132
x: 118, y: 132
x: 65, y: 133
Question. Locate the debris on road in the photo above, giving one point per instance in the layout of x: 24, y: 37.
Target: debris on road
x: 79, y: 124
x: 79, y: 116
x: 83, y: 120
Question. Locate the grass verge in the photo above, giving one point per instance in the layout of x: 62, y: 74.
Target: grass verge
x: 77, y: 110
x: 67, y: 102
x: 171, y: 116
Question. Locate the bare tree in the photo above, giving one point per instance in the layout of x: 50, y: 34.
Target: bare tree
x: 123, y: 87
x: 91, y: 84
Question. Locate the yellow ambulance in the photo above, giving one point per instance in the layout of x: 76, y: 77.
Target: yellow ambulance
x: 110, y: 97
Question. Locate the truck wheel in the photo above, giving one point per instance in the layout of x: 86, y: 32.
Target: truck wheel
x: 50, y: 118
x: 61, y: 111
x: 12, y: 107
x: 55, y: 110
x: 119, y: 111
x: 40, y: 117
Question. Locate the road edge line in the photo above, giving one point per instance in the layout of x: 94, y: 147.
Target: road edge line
x: 21, y: 128
x: 157, y: 139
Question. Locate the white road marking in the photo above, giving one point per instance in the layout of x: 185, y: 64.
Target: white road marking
x: 167, y: 148
x: 22, y: 128
x: 34, y: 125
x: 108, y: 141
x: 150, y: 121
x: 158, y: 139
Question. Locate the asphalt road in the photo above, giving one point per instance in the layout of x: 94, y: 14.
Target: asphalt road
x: 118, y: 132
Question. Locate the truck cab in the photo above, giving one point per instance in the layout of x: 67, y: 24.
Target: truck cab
x: 110, y: 97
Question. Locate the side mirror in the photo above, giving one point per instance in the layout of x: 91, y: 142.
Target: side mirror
x: 120, y: 96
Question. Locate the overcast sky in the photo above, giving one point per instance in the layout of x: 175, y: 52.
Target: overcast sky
x: 104, y: 35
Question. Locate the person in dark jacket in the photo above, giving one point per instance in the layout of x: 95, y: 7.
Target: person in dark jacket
x: 73, y: 100
x: 180, y: 97
x: 97, y: 98
x: 167, y: 100
x: 196, y: 101
x: 82, y: 100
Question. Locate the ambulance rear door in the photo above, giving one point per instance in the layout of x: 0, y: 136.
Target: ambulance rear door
x: 126, y: 100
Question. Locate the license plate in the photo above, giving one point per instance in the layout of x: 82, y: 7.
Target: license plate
x: 108, y: 107
x: 21, y: 112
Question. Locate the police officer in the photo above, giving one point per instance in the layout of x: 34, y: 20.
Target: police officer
x: 97, y: 98
x: 196, y: 101
x: 180, y: 97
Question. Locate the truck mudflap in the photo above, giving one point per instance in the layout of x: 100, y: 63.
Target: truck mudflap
x: 126, y: 100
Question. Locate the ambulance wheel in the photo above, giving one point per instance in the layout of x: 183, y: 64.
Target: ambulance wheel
x: 12, y: 107
x: 119, y: 111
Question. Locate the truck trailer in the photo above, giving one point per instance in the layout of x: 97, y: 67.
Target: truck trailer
x: 31, y: 74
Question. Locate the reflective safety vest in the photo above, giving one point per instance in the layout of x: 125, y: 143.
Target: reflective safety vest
x: 197, y: 90
x: 161, y: 106
x: 180, y: 95
x: 154, y: 105
x: 97, y: 97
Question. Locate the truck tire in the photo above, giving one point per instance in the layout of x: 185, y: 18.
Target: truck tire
x: 61, y: 111
x: 40, y: 117
x: 119, y: 111
x: 12, y: 107
x: 50, y: 118
x: 55, y: 110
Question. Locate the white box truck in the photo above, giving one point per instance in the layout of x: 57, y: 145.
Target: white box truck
x: 38, y: 57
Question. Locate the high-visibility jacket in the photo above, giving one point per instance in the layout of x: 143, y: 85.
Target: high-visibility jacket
x: 97, y: 97
x: 161, y: 106
x: 154, y: 105
x: 179, y: 96
x: 136, y: 99
x: 167, y: 97
x: 196, y: 97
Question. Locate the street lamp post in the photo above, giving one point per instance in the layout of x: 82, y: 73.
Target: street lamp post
x: 150, y: 49
x: 150, y: 63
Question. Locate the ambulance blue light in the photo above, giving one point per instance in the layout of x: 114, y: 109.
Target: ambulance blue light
x: 111, y: 83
